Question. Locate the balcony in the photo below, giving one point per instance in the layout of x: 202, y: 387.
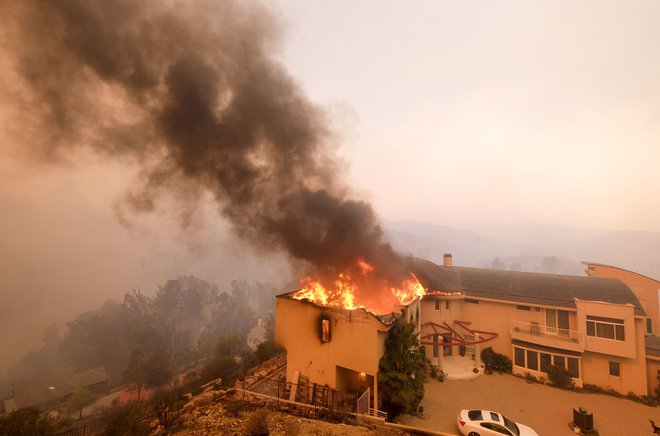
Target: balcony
x: 535, y: 333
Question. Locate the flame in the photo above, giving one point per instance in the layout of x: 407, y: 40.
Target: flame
x: 354, y: 291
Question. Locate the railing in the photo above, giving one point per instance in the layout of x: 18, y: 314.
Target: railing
x: 305, y: 393
x: 547, y: 335
x: 364, y: 403
x: 379, y: 413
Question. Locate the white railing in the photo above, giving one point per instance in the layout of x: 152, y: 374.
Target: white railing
x: 379, y: 413
x: 531, y: 330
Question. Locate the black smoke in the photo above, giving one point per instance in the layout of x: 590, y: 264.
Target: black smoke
x: 191, y: 91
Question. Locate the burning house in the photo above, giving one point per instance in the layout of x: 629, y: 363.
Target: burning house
x: 597, y: 327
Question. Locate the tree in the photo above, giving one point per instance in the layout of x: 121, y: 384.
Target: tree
x: 148, y: 371
x: 497, y: 264
x: 81, y: 399
x: 401, y: 370
x: 134, y: 373
x: 550, y: 264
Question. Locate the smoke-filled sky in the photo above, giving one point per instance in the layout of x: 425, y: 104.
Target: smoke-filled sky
x: 458, y: 113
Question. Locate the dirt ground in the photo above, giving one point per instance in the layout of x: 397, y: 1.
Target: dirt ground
x: 546, y: 409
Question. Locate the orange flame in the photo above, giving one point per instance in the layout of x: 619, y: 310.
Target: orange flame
x: 349, y: 293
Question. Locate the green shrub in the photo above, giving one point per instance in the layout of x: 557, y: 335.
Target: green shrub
x: 257, y: 424
x: 559, y: 376
x: 496, y: 361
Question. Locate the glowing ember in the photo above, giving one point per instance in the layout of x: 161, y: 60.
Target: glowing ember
x: 360, y: 290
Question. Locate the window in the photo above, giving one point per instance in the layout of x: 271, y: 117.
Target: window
x: 533, y: 360
x: 494, y: 416
x: 649, y: 326
x: 556, y: 322
x: 615, y: 369
x: 536, y: 361
x: 325, y: 330
x: 545, y: 362
x: 519, y: 307
x: 447, y: 304
x: 573, y: 367
x: 471, y: 300
x: 437, y: 304
x: 435, y: 345
x: 519, y: 356
x: 608, y: 328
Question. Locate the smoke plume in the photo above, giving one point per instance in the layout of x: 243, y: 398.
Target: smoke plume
x: 190, y: 91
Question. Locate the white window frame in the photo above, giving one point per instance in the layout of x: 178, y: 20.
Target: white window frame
x: 614, y: 325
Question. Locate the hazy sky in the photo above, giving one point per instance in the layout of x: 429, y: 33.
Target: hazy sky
x: 457, y: 113
x: 461, y: 112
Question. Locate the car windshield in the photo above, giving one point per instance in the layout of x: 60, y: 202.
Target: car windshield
x: 511, y: 426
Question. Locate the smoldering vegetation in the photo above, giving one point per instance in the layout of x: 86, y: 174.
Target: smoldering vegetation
x: 192, y: 93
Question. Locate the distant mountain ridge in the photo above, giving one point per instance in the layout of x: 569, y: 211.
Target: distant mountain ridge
x: 529, y: 246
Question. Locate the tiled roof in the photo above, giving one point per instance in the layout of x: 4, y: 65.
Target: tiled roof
x: 525, y: 287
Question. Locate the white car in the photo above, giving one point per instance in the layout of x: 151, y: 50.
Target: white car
x: 487, y: 423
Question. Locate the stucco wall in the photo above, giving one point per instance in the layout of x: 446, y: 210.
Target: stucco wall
x: 645, y: 288
x: 356, y: 341
x: 633, y: 371
x: 652, y: 368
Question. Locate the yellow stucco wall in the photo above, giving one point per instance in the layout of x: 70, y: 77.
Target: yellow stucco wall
x: 645, y: 288
x: 356, y: 343
x: 652, y: 371
x: 633, y: 371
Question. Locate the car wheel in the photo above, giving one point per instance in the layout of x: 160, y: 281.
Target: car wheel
x: 473, y: 433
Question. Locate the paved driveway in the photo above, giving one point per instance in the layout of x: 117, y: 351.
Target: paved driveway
x: 546, y: 409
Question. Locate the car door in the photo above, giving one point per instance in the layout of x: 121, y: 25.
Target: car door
x: 492, y: 429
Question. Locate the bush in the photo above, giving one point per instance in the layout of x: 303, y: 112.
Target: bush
x: 257, y: 424
x: 496, y: 361
x: 559, y: 376
x: 531, y: 378
x: 27, y: 421
x: 128, y: 420
x: 235, y: 407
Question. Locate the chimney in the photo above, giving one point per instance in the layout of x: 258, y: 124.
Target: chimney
x: 446, y: 259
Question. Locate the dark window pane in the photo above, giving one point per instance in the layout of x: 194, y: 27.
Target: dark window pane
x: 649, y: 325
x: 545, y: 362
x: 533, y: 360
x: 437, y: 304
x: 591, y: 328
x: 615, y: 369
x: 435, y: 345
x: 447, y: 304
x: 560, y: 361
x: 519, y: 356
x: 573, y: 367
x: 519, y: 307
x: 605, y: 330
x: 494, y: 416
x: 620, y: 336
x: 475, y: 415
